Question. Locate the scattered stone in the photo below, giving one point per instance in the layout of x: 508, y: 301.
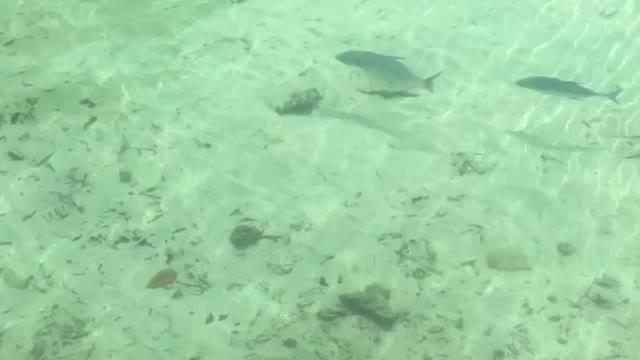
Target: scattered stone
x: 565, y: 249
x: 14, y: 279
x: 87, y: 102
x: 602, y: 301
x: 162, y: 278
x: 373, y: 304
x: 332, y: 313
x: 210, y: 318
x: 290, y: 343
x: 300, y: 103
x: 64, y: 333
x: 468, y: 163
x: 244, y: 236
x: 607, y: 282
x: 608, y: 11
x: 507, y: 259
x: 125, y: 176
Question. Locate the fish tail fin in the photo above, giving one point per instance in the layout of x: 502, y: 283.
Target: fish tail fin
x: 428, y: 82
x: 613, y: 96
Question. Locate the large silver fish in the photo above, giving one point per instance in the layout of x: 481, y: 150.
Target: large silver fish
x: 568, y: 89
x: 386, y: 75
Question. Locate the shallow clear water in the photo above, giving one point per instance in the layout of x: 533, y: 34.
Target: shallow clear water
x: 154, y: 205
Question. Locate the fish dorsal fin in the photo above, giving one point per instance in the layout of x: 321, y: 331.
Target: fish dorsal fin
x: 573, y: 83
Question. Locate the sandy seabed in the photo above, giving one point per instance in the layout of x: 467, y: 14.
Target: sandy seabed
x: 137, y: 136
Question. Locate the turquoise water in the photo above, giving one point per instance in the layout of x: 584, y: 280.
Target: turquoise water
x: 155, y: 205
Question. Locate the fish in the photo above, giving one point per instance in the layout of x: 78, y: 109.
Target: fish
x: 569, y: 89
x: 542, y: 144
x: 402, y: 139
x: 386, y: 75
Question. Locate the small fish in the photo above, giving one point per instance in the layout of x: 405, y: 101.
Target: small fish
x: 387, y: 76
x: 569, y: 89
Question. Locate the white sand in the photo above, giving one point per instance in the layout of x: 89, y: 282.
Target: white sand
x: 188, y: 89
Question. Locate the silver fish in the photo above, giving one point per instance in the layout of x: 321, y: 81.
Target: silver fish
x: 568, y: 89
x: 387, y: 75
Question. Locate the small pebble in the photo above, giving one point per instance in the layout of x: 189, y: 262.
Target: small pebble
x: 608, y: 11
x: 125, y: 176
x: 15, y: 280
x: 507, y: 259
x: 162, y: 279
x: 565, y: 249
x: 290, y: 343
x: 244, y: 236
